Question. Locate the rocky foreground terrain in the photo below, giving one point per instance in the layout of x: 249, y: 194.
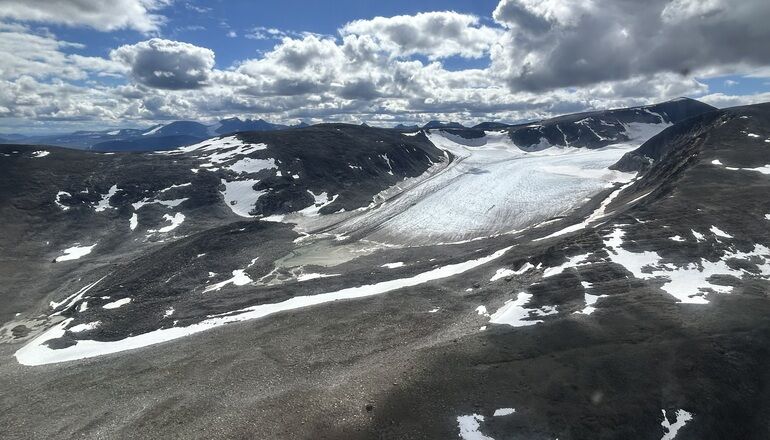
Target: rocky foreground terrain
x: 594, y: 276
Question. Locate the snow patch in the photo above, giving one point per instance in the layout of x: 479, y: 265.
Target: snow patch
x: 763, y: 169
x: 75, y: 252
x: 469, y: 427
x: 58, y: 202
x: 84, y: 327
x: 719, y: 233
x: 175, y: 220
x: 514, y: 313
x: 239, y: 279
x: 104, y: 203
x: 682, y: 417
x: 320, y: 200
x: 117, y: 304
x: 573, y: 261
x: 313, y: 276
x: 248, y: 165
x: 240, y: 196
x: 504, y: 412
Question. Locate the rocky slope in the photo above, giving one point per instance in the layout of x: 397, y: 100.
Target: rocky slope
x: 636, y: 310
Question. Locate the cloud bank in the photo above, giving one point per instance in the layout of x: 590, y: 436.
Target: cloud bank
x: 536, y: 58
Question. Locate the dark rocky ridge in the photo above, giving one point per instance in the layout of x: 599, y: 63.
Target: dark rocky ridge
x: 594, y: 129
x: 36, y: 230
x: 598, y: 129
x: 343, y: 159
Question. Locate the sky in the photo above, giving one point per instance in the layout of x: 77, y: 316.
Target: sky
x: 95, y: 65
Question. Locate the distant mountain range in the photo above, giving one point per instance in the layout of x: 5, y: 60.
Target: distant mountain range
x: 158, y: 137
x: 588, y: 129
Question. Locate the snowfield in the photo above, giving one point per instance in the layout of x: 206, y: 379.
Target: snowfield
x: 494, y: 187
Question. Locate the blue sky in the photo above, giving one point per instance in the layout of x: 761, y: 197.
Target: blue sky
x: 207, y: 23
x: 90, y: 64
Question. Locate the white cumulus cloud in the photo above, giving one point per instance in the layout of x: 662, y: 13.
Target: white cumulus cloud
x: 433, y: 34
x: 103, y: 15
x: 167, y: 64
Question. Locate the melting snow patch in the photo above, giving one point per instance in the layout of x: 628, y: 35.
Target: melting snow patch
x: 176, y: 220
x: 590, y: 301
x: 676, y: 238
x: 321, y: 200
x: 313, y: 276
x: 84, y: 327
x: 469, y: 427
x: 58, y: 202
x: 248, y: 165
x: 514, y: 313
x: 504, y: 412
x: 698, y: 236
x: 433, y: 310
x: 240, y: 196
x: 133, y: 222
x: 180, y: 185
x: 73, y: 299
x: 169, y: 311
x: 720, y: 233
x: 116, y: 304
x: 753, y: 135
x: 40, y: 153
x: 481, y: 310
x: 104, y: 203
x: 395, y: 265
x: 75, y: 252
x: 239, y: 279
x: 502, y: 273
x: 682, y: 417
x: 574, y: 261
x: 764, y: 169
x: 232, y: 144
x: 170, y: 203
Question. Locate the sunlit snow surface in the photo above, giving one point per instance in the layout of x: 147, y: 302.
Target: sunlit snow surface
x: 494, y: 187
x: 75, y: 252
x: 240, y: 196
x: 516, y: 314
x: 682, y: 417
x: 469, y: 427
